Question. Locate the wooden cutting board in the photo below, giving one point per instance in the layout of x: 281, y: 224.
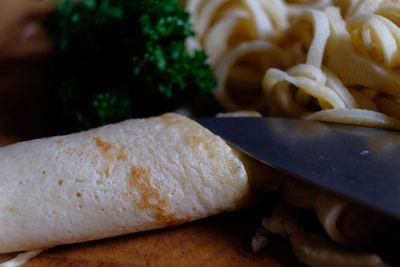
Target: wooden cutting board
x: 218, y: 241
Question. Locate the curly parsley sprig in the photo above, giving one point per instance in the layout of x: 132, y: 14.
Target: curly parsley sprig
x: 117, y: 59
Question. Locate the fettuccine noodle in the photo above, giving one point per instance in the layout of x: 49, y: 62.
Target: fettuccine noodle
x: 328, y: 60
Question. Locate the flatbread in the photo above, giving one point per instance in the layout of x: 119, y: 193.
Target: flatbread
x: 133, y: 176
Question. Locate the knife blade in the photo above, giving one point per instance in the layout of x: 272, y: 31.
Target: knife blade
x: 359, y: 163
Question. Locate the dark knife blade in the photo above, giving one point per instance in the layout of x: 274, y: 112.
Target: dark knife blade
x: 358, y: 163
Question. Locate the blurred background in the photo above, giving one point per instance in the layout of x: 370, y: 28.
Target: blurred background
x: 23, y: 50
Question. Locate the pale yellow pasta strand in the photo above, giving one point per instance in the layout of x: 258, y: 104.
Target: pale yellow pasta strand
x: 306, y: 77
x: 332, y: 88
x: 309, y: 31
x: 296, y: 8
x: 357, y: 7
x: 285, y: 102
x: 192, y: 7
x: 378, y: 37
x: 277, y: 12
x: 321, y: 33
x: 354, y: 68
x: 205, y: 16
x: 391, y: 11
x: 356, y: 117
x: 308, y: 71
x: 276, y: 58
x: 329, y: 211
x: 261, y: 21
x: 216, y: 41
x: 277, y: 95
x: 20, y: 259
x: 333, y: 82
x: 348, y: 224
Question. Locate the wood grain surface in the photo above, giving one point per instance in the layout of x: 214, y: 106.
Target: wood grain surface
x: 218, y: 241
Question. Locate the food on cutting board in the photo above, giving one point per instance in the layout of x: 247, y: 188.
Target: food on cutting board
x: 325, y: 60
x: 122, y: 178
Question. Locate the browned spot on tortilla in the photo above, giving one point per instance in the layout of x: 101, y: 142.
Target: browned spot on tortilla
x: 71, y: 150
x: 139, y: 178
x: 170, y: 119
x: 107, y: 172
x: 11, y: 209
x: 111, y: 151
x: 14, y: 210
x: 121, y: 154
x: 150, y: 199
x: 194, y: 141
x: 61, y: 142
x: 104, y: 146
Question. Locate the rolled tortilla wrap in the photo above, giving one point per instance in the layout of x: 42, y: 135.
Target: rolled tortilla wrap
x: 128, y: 177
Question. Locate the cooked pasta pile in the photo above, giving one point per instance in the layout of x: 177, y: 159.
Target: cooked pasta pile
x: 327, y: 60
